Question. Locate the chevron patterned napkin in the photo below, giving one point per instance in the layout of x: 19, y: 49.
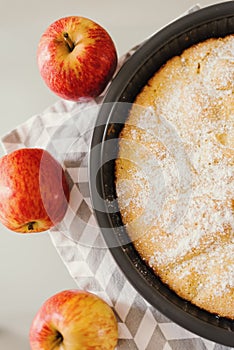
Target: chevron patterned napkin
x: 65, y: 130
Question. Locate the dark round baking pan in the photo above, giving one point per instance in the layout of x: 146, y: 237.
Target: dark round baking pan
x: 213, y: 21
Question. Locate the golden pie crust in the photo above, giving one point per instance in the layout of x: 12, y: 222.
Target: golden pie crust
x: 174, y: 174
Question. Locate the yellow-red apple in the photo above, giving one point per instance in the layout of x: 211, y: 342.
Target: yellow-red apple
x: 74, y: 320
x: 76, y: 58
x: 34, y: 192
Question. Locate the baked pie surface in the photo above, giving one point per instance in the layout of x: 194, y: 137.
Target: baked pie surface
x: 174, y: 174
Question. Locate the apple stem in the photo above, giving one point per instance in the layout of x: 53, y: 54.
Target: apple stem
x: 58, y: 340
x: 68, y: 41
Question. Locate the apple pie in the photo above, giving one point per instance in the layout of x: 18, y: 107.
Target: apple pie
x: 174, y: 174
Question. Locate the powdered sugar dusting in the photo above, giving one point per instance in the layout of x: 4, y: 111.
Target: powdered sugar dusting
x: 187, y: 157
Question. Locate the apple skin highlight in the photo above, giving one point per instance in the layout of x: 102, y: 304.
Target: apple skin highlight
x: 74, y: 320
x: 34, y: 193
x: 76, y: 58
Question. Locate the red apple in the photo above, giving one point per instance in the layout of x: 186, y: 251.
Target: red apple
x: 34, y: 193
x: 74, y: 320
x: 76, y: 58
